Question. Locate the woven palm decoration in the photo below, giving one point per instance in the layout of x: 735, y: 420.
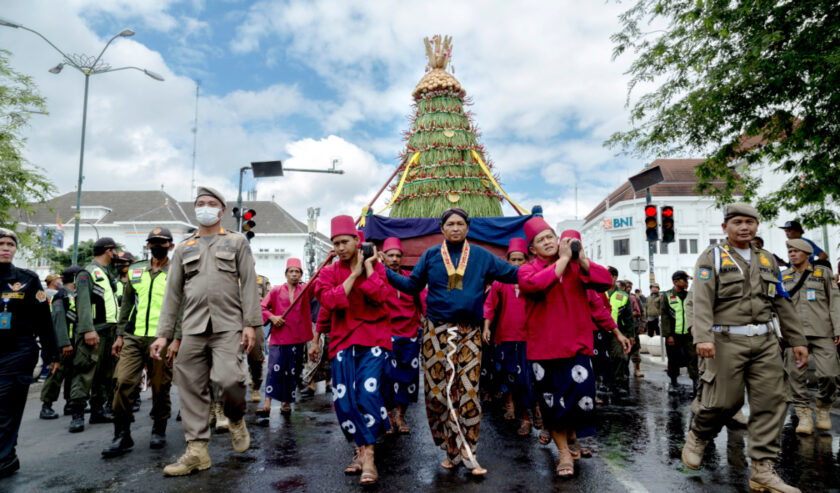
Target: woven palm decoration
x: 445, y: 173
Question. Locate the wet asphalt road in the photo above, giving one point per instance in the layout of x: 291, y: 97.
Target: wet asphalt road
x: 638, y: 449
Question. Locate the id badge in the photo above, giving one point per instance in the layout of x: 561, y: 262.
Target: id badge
x: 5, y: 321
x: 771, y: 290
x: 812, y: 295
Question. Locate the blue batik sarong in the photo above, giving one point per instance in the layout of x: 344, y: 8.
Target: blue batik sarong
x: 565, y: 390
x: 285, y: 362
x: 514, y: 375
x: 402, y: 371
x: 357, y: 377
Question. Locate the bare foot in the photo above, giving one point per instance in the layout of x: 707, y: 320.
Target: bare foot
x: 447, y: 464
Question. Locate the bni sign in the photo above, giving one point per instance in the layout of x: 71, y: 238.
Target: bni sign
x: 618, y: 223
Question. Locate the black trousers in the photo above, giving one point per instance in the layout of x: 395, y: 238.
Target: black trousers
x: 17, y: 362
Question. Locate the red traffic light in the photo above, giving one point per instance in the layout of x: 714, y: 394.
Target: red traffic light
x: 249, y: 214
x: 650, y: 211
x: 667, y: 211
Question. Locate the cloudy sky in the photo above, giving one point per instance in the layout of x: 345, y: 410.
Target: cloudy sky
x: 310, y: 81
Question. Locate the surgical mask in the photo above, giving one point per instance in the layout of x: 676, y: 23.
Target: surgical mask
x: 207, y: 216
x: 159, y: 251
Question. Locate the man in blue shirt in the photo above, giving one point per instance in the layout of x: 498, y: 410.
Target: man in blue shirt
x: 456, y: 274
x: 794, y: 231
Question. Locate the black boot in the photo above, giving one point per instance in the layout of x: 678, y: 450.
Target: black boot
x: 158, y: 434
x: 77, y: 424
x: 97, y: 416
x: 122, y: 442
x: 9, y: 466
x: 47, y: 411
x: 137, y: 405
x: 107, y: 412
x: 674, y: 388
x: 68, y: 410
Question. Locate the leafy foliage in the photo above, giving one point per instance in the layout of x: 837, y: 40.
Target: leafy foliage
x: 20, y: 183
x: 753, y: 86
x: 63, y: 259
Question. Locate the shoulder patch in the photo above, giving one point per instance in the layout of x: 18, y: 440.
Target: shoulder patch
x: 764, y: 260
x: 704, y: 274
x: 818, y: 273
x: 619, y: 297
x: 787, y: 278
x: 41, y: 296
x: 190, y: 243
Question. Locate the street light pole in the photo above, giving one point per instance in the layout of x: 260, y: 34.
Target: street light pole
x: 88, y: 66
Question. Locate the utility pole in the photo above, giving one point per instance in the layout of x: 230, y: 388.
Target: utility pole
x: 195, y: 139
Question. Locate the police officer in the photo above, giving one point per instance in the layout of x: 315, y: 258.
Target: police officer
x: 24, y: 315
x: 256, y: 357
x: 817, y: 303
x: 63, y: 307
x: 679, y: 343
x: 652, y: 310
x: 96, y: 310
x: 735, y: 291
x: 136, y: 331
x: 212, y: 273
x: 121, y: 263
x: 622, y: 314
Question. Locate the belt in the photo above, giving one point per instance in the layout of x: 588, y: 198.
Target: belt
x: 743, y: 330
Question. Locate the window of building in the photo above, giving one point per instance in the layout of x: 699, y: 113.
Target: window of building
x: 621, y: 247
x: 599, y: 251
x: 683, y: 246
x: 688, y: 246
x: 663, y: 247
x: 715, y: 241
x: 692, y: 246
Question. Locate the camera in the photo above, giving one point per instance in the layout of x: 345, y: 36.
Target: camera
x: 367, y: 250
x: 575, y: 246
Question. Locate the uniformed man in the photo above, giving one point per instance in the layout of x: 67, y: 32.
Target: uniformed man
x: 636, y: 351
x: 63, y: 307
x: 817, y: 303
x: 136, y: 331
x: 24, y: 316
x: 219, y: 321
x: 679, y: 343
x: 652, y: 311
x: 256, y: 358
x: 622, y: 313
x: 96, y: 310
x: 121, y: 263
x: 735, y: 292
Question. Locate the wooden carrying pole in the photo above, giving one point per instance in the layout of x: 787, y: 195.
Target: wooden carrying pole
x: 309, y: 285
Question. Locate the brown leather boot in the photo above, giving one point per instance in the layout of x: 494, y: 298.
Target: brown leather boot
x: 806, y: 422
x: 823, y: 416
x: 692, y: 452
x: 763, y: 477
x: 195, y: 458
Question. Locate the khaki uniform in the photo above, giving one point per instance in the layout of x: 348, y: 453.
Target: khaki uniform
x: 96, y: 309
x: 817, y: 304
x: 205, y: 274
x: 728, y: 291
x: 256, y: 357
x: 136, y: 343
x: 652, y: 314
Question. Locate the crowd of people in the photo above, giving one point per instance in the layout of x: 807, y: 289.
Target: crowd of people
x: 544, y: 331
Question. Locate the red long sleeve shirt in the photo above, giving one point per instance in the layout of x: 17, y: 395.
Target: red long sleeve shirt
x: 507, y: 299
x: 559, y: 320
x: 403, y: 310
x: 360, y: 318
x: 599, y: 305
x: 298, y: 326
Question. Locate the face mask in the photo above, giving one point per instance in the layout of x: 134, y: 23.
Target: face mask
x: 159, y: 252
x: 207, y: 216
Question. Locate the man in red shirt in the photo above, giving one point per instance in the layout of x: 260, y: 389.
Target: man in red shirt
x: 559, y: 333
x: 504, y: 308
x: 354, y: 291
x: 288, y: 336
x: 403, y: 368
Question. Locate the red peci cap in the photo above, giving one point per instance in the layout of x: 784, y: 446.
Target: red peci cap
x: 392, y: 244
x: 361, y: 235
x: 294, y: 262
x: 570, y: 233
x: 342, y: 225
x: 535, y: 226
x: 518, y: 245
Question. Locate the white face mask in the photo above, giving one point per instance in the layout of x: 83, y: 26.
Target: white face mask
x: 207, y: 216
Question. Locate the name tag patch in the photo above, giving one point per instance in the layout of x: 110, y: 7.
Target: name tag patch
x: 5, y: 321
x: 13, y: 296
x: 812, y: 295
x: 771, y: 290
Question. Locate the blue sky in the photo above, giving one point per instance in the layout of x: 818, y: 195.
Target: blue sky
x: 308, y: 81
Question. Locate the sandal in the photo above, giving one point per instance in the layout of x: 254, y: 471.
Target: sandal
x: 402, y: 426
x: 565, y: 463
x: 355, y: 466
x: 578, y: 450
x: 510, y: 413
x: 545, y: 437
x: 369, y: 473
x: 538, y: 421
x: 524, y: 428
x: 285, y: 408
x: 473, y: 465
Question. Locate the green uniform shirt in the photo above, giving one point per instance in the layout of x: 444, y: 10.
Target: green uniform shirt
x: 817, y: 302
x: 63, y: 310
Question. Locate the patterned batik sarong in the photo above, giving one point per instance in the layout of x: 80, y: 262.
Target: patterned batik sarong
x: 357, y: 374
x: 565, y: 390
x: 319, y: 370
x: 490, y: 370
x: 601, y: 357
x: 402, y: 371
x: 515, y: 374
x: 285, y: 362
x: 452, y: 366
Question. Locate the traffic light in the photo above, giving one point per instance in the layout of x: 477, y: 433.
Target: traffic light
x: 651, y: 223
x: 248, y: 223
x: 668, y: 233
x: 235, y: 212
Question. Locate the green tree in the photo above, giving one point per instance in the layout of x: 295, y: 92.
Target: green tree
x: 61, y: 259
x: 446, y: 173
x: 20, y: 182
x: 754, y: 87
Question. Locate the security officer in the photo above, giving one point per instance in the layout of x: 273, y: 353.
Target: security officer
x: 622, y: 313
x: 212, y: 273
x: 96, y: 310
x: 136, y: 331
x: 256, y: 357
x: 63, y: 307
x: 652, y: 310
x: 25, y: 315
x: 121, y: 263
x: 735, y: 291
x: 817, y: 303
x: 679, y: 343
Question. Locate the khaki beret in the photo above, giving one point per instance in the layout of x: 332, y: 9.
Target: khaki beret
x: 211, y: 192
x: 51, y: 277
x: 654, y: 285
x: 739, y: 209
x: 801, y: 245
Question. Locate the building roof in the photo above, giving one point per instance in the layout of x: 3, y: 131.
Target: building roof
x: 124, y: 206
x: 680, y: 181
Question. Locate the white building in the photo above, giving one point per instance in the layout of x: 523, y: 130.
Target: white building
x: 128, y: 216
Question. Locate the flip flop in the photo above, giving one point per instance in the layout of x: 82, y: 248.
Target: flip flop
x: 355, y: 466
x: 369, y: 473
